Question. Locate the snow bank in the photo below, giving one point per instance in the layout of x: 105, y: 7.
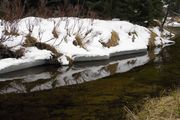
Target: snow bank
x: 32, y: 57
x: 172, y: 22
x: 77, y: 39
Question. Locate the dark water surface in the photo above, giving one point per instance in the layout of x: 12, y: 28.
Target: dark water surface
x: 89, y: 91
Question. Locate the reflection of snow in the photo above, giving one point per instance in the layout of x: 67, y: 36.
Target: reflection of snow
x: 74, y: 75
x: 30, y: 78
x: 13, y: 87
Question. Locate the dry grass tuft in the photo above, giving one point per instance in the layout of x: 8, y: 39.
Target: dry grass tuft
x: 152, y: 39
x: 164, y: 108
x: 113, y: 41
x: 30, y: 41
x: 155, y: 23
x: 151, y: 54
x: 79, y: 41
x: 44, y: 46
x: 177, y: 19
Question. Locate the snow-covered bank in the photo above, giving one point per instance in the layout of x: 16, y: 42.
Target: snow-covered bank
x: 173, y: 22
x: 75, y: 39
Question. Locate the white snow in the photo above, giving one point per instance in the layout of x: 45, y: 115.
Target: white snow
x: 31, y: 54
x: 91, y: 32
x: 171, y: 22
x: 174, y: 24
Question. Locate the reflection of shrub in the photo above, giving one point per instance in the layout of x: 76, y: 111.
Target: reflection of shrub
x: 112, y: 68
x: 131, y: 62
x: 113, y: 41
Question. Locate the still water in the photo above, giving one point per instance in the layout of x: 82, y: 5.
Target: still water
x: 89, y: 91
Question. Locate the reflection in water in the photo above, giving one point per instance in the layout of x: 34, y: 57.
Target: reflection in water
x: 49, y: 77
x: 43, y: 78
x: 101, y: 99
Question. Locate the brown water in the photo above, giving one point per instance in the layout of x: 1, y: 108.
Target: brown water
x: 81, y: 92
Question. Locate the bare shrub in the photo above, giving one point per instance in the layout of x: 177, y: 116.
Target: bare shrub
x: 30, y: 27
x: 11, y: 29
x: 133, y: 34
x: 13, y: 9
x: 42, y: 10
x: 55, y: 31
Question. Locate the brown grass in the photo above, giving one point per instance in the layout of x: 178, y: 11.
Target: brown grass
x: 113, y: 41
x: 31, y: 41
x: 78, y: 41
x: 177, y: 19
x: 151, y: 54
x: 164, y: 108
x: 152, y: 39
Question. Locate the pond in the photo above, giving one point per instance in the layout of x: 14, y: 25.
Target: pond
x: 92, y: 90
